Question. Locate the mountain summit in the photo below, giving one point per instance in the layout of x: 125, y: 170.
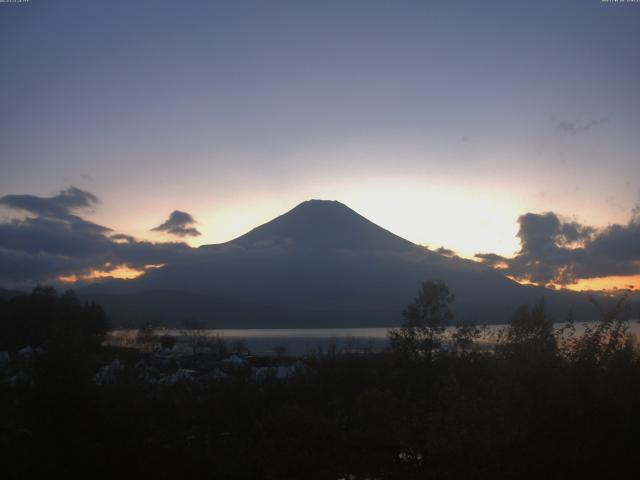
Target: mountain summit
x: 319, y: 265
x: 324, y: 225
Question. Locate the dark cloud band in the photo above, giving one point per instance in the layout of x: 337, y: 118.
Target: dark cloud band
x: 53, y: 241
x: 563, y: 252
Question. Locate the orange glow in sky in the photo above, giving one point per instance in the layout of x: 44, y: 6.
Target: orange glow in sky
x: 610, y: 283
x: 123, y: 272
x: 627, y: 282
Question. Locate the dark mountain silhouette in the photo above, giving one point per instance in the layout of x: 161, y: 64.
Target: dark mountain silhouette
x: 320, y: 264
x: 321, y: 225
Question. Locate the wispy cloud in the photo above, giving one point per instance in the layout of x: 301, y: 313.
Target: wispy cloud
x: 574, y: 128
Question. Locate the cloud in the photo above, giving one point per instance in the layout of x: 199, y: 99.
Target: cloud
x: 492, y: 259
x: 554, y: 250
x: 58, y: 206
x: 573, y: 128
x: 62, y: 207
x: 179, y: 224
x: 53, y: 240
x: 447, y: 252
x: 122, y: 237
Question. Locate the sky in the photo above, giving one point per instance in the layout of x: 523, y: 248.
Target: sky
x: 444, y: 122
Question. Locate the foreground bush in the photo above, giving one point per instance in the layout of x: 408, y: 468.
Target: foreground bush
x: 542, y: 404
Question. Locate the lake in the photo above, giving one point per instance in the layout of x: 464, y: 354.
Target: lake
x: 298, y: 341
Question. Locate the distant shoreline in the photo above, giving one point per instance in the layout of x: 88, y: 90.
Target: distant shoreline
x: 301, y: 341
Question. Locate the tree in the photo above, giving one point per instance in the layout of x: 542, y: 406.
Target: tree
x: 51, y: 321
x: 424, y: 321
x: 280, y: 350
x: 466, y: 336
x: 608, y: 338
x: 146, y: 336
x: 240, y: 347
x: 530, y: 335
x: 196, y: 335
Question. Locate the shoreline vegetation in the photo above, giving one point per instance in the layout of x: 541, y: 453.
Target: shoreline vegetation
x: 544, y: 401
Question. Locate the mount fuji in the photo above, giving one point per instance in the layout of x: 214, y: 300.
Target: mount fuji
x: 319, y: 265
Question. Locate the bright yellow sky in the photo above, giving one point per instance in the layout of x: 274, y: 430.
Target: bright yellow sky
x: 467, y: 220
x: 466, y: 217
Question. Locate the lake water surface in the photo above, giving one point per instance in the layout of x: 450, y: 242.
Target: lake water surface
x: 298, y: 341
